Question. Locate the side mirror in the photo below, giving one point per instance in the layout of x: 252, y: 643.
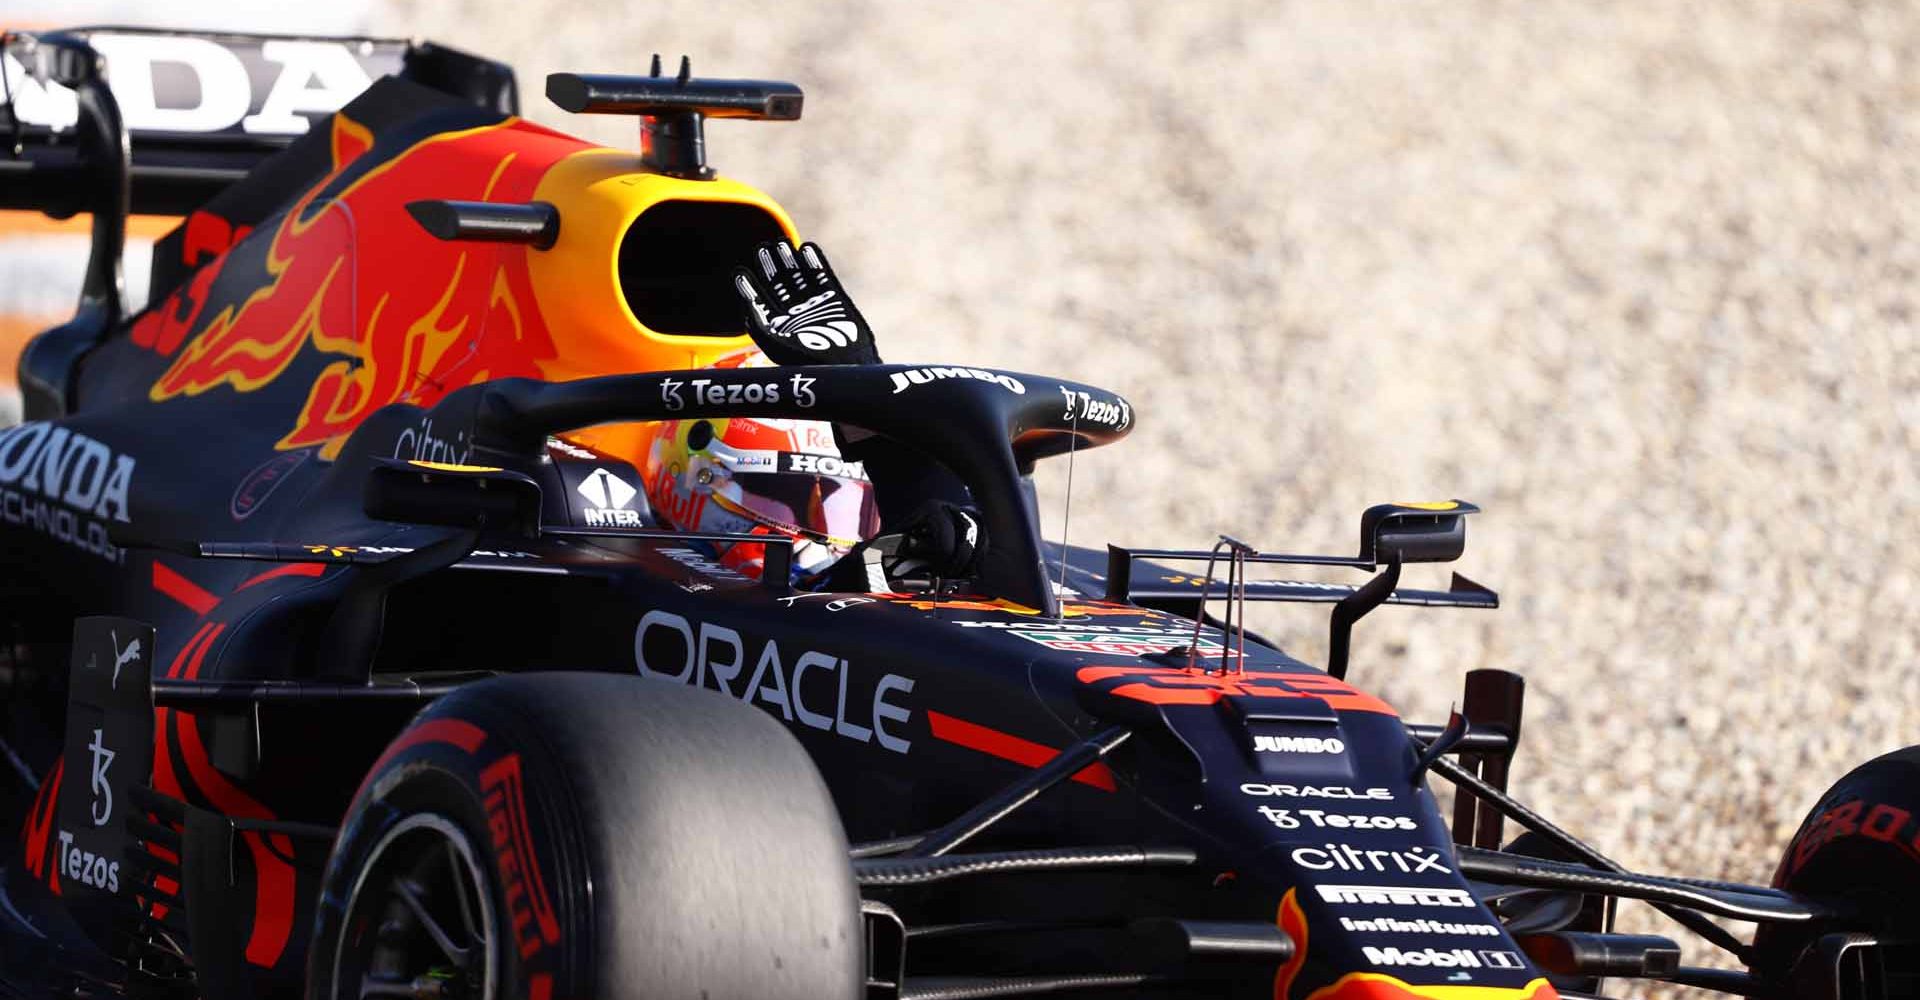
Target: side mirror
x: 1415, y: 532
x: 474, y: 497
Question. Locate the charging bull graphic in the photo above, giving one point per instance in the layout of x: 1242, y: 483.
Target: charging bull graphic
x: 402, y: 317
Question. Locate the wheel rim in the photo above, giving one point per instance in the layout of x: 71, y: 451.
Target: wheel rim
x: 419, y: 921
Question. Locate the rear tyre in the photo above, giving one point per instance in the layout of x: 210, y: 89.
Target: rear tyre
x: 588, y: 835
x: 1859, y: 846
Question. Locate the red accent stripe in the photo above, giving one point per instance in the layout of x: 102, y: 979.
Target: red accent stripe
x: 1006, y: 746
x: 164, y: 780
x: 273, y: 877
x: 540, y: 986
x: 272, y: 903
x: 38, y: 831
x: 290, y: 569
x: 166, y: 783
x: 180, y: 658
x: 199, y: 655
x: 182, y: 589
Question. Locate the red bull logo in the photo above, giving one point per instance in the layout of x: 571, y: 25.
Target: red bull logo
x: 672, y: 505
x: 402, y: 316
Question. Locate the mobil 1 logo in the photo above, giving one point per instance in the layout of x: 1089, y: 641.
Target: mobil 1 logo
x: 109, y: 750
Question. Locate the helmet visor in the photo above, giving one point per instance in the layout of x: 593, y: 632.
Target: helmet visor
x: 840, y: 511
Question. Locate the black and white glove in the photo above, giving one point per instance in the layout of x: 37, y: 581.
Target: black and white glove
x: 939, y: 540
x: 798, y: 314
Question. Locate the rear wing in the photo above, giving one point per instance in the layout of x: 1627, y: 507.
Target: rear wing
x: 195, y: 110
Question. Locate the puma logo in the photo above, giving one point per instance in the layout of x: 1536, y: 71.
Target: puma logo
x: 122, y: 657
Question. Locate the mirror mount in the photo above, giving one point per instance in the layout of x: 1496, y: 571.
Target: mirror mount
x: 1391, y: 535
x: 468, y: 497
x: 352, y: 636
x: 1351, y: 609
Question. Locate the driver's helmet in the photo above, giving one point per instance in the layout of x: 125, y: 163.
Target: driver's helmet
x: 760, y: 476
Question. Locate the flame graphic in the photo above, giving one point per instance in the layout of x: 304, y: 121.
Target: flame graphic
x: 207, y: 235
x: 247, y: 346
x: 1374, y: 986
x: 402, y: 314
x: 1293, y: 923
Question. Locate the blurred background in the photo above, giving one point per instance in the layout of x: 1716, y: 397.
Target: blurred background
x: 1638, y: 278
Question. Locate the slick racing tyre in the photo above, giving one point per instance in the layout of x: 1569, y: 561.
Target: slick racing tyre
x: 563, y: 835
x: 1860, y: 847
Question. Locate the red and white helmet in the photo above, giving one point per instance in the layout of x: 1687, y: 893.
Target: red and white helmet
x: 760, y: 476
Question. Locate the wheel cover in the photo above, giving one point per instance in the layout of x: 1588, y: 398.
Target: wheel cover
x: 419, y: 922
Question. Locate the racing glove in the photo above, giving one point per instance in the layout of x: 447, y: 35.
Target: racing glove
x: 940, y: 539
x: 798, y: 314
x: 939, y: 542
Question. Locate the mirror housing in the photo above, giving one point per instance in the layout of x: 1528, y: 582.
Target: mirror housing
x: 474, y: 497
x: 1415, y: 532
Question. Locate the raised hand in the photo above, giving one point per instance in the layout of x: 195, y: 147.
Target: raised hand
x: 798, y: 313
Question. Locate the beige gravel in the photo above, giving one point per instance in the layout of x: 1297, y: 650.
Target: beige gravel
x: 1638, y: 278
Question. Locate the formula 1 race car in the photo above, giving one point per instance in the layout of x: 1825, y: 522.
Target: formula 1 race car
x: 343, y: 657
